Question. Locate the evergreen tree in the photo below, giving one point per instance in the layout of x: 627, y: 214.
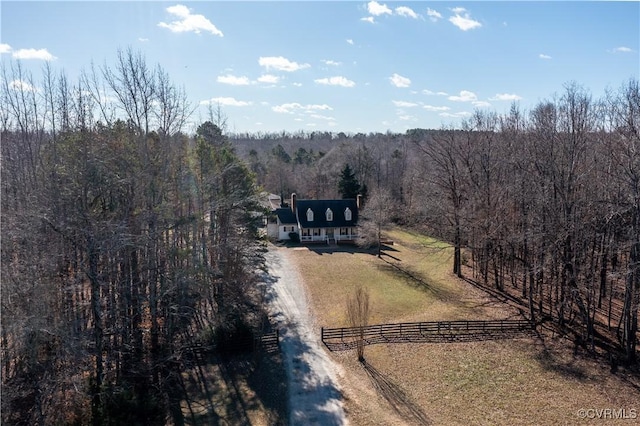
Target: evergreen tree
x: 348, y: 185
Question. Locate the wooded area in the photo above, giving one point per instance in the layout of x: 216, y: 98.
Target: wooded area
x: 125, y: 238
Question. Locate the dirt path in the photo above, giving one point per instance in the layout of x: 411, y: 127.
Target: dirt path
x: 314, y: 394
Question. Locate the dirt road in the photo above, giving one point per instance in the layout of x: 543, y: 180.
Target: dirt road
x: 314, y: 393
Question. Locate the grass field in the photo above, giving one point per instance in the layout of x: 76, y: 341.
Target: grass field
x: 535, y: 381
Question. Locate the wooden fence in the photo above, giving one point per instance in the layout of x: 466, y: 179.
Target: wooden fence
x: 425, y: 332
x: 268, y: 342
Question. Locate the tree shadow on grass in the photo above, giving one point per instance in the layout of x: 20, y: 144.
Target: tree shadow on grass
x: 553, y: 361
x: 396, y: 397
x: 223, y: 390
x: 415, y: 280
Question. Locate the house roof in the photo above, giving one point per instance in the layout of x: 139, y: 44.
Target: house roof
x: 319, y: 208
x: 269, y: 201
x: 286, y: 216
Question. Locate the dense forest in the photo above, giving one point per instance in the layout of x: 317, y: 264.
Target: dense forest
x: 125, y: 238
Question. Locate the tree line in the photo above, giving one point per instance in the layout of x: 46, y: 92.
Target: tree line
x: 123, y: 241
x: 547, y: 202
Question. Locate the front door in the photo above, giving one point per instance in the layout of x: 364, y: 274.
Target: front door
x: 330, y: 233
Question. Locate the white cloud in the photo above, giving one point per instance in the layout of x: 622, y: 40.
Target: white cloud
x: 481, y: 104
x: 317, y: 107
x: 404, y: 104
x: 442, y: 94
x: 143, y: 39
x: 506, y: 97
x: 455, y: 114
x: 465, y: 96
x: 369, y: 19
x: 377, y: 9
x: 297, y: 84
x: 233, y: 80
x: 407, y: 117
x: 433, y: 15
x: 290, y: 108
x: 21, y: 85
x: 350, y: 41
x: 330, y: 62
x: 406, y: 11
x: 269, y: 78
x: 5, y: 48
x: 336, y: 81
x: 622, y: 49
x: 543, y: 56
x: 322, y: 117
x: 189, y: 22
x: 225, y: 102
x: 280, y: 63
x: 427, y: 92
x: 399, y: 81
x: 463, y: 20
x: 436, y: 108
x: 42, y: 54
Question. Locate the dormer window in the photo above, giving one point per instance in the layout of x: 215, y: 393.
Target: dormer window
x: 329, y: 215
x: 347, y: 214
x: 309, y: 215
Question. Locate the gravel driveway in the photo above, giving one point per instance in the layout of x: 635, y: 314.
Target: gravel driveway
x: 314, y: 393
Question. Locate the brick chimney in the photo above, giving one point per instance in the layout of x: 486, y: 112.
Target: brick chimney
x: 293, y: 202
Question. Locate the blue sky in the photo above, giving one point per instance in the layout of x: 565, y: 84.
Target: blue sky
x: 352, y: 66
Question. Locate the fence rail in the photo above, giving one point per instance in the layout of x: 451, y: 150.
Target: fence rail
x: 438, y: 331
x: 267, y: 342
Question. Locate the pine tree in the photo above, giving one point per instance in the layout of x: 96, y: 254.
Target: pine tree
x: 348, y: 186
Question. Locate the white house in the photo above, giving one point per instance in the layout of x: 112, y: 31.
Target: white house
x: 330, y: 221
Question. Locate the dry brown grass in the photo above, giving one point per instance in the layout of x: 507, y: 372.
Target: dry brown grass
x: 245, y: 390
x: 537, y: 381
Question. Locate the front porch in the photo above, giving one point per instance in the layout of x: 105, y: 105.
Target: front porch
x: 328, y: 235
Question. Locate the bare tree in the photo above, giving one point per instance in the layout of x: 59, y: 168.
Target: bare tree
x: 377, y: 212
x: 134, y: 85
x: 358, y: 316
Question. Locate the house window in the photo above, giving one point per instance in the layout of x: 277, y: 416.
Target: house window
x: 305, y: 232
x: 344, y: 231
x: 347, y: 214
x: 329, y: 214
x: 310, y: 215
x: 316, y: 232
